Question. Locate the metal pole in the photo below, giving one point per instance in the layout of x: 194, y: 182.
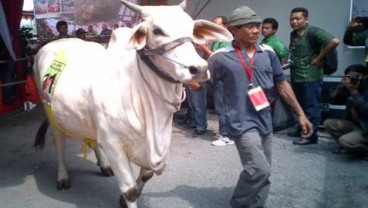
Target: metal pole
x: 13, y: 83
x: 6, y: 61
x: 204, y: 6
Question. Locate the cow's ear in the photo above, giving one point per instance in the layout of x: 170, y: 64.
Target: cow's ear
x: 205, y: 31
x: 139, y: 36
x: 183, y: 4
x: 119, y: 37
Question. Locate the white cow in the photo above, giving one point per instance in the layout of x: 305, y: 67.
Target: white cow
x: 124, y: 96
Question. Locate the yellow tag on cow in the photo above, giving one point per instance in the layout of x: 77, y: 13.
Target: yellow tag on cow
x: 88, y: 143
x: 52, y: 75
x: 49, y: 82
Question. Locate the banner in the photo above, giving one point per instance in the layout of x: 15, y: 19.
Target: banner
x: 81, y: 14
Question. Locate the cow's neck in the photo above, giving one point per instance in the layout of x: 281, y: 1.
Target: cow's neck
x: 164, y: 88
x: 157, y: 96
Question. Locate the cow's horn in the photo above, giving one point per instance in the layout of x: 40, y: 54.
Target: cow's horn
x: 132, y: 6
x: 183, y: 4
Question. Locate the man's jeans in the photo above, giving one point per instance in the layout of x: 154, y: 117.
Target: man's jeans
x: 218, y: 96
x: 198, y: 104
x: 308, y: 95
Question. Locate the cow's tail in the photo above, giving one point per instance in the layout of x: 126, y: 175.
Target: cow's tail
x: 39, y: 142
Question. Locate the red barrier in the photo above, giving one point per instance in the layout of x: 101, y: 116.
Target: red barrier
x: 31, y: 93
x: 25, y: 92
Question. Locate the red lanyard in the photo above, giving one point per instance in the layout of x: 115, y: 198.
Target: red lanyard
x: 249, y: 70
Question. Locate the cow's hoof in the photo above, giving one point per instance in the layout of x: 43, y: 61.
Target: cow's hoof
x: 122, y: 202
x: 107, y: 171
x: 63, y: 184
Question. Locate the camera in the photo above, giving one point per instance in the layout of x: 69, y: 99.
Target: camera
x: 354, y: 79
x: 289, y: 64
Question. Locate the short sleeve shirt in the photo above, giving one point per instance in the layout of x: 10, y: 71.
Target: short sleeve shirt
x: 277, y: 45
x: 106, y: 36
x: 220, y: 44
x: 63, y: 36
x: 303, y: 54
x: 239, y: 113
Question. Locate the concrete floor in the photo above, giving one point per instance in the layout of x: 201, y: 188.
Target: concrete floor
x: 198, y: 175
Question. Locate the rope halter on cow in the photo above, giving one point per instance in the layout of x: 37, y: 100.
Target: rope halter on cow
x: 144, y: 56
x: 146, y: 52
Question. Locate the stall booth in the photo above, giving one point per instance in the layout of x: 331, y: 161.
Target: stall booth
x: 17, y: 87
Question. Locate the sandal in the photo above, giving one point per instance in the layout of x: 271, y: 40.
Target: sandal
x: 340, y: 151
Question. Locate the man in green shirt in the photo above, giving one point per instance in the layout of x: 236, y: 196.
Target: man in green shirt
x: 223, y: 22
x: 206, y: 52
x: 269, y: 29
x: 307, y: 74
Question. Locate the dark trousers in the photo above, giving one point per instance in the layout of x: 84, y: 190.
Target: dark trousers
x: 7, y: 74
x: 219, y: 107
x: 198, y: 107
x: 308, y: 95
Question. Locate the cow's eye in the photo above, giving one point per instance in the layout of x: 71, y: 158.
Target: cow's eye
x: 158, y: 31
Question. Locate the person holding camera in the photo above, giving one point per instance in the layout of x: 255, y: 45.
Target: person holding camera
x: 352, y: 132
x: 357, y: 32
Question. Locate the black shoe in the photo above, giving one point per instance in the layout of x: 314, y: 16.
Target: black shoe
x: 186, y: 124
x: 302, y: 141
x: 198, y: 132
x: 180, y: 117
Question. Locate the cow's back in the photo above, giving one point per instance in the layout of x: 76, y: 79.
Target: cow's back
x: 79, y: 55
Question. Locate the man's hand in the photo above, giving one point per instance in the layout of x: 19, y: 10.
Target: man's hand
x: 346, y: 82
x: 354, y: 22
x: 306, y: 126
x: 193, y: 85
x: 317, y: 62
x: 288, y: 95
x: 204, y: 49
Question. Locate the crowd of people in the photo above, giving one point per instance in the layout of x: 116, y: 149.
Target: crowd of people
x: 90, y: 35
x: 246, y: 76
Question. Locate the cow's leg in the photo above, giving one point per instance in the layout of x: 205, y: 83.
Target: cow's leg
x: 144, y: 175
x: 103, y: 162
x: 122, y: 168
x: 63, y: 181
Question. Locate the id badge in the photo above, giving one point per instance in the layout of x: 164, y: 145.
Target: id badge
x: 258, y: 98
